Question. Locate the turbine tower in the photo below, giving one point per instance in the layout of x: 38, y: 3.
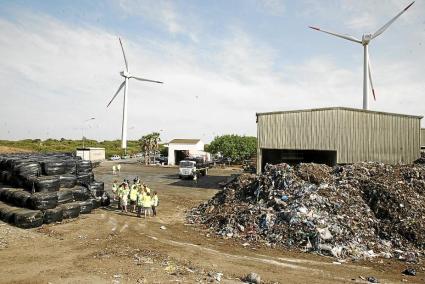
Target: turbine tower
x: 366, y: 38
x: 127, y: 76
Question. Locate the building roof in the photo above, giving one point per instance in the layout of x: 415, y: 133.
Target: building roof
x: 89, y: 148
x: 338, y: 108
x: 184, y: 141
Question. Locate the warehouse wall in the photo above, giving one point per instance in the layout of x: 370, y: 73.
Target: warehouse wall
x: 356, y: 135
x: 423, y: 137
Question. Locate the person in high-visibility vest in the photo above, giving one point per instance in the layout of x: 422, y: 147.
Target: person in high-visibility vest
x: 133, y: 196
x: 124, y: 198
x: 119, y: 194
x: 114, y: 190
x: 140, y: 197
x: 147, y: 189
x: 155, y: 203
x: 147, y: 204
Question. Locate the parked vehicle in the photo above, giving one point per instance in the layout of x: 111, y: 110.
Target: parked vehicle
x: 115, y: 157
x: 192, y: 168
x: 126, y: 157
x: 163, y: 160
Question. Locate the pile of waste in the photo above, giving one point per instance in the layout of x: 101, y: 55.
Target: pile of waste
x: 47, y: 188
x: 354, y: 211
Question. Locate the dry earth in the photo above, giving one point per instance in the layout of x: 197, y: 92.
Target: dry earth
x: 6, y: 150
x: 111, y: 247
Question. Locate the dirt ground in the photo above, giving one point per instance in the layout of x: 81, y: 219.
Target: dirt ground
x: 108, y: 246
x: 6, y: 150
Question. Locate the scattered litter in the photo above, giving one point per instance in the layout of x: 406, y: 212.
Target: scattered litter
x: 409, y: 271
x: 253, y: 278
x: 163, y: 228
x: 372, y: 279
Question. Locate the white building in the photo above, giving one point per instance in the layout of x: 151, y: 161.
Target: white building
x: 178, y: 149
x: 91, y: 154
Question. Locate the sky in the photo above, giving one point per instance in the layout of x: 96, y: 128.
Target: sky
x: 221, y: 62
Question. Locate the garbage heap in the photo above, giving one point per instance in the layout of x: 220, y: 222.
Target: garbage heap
x: 47, y: 188
x: 354, y: 211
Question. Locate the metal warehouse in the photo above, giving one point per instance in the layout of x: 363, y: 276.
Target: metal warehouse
x: 423, y: 138
x: 337, y: 135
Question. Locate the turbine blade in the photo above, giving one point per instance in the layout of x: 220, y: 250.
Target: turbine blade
x: 116, y: 93
x: 146, y: 80
x: 370, y: 78
x: 348, y: 37
x: 384, y: 27
x: 123, y: 53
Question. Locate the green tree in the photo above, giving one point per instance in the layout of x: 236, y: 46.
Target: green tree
x: 236, y: 147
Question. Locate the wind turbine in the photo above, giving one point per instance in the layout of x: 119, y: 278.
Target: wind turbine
x: 127, y: 76
x: 366, y: 38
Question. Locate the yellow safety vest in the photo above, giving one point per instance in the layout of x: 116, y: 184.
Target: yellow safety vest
x: 146, y: 201
x: 140, y: 198
x: 133, y: 194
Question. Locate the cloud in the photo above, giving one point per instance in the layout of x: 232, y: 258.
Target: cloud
x: 274, y: 7
x: 163, y: 13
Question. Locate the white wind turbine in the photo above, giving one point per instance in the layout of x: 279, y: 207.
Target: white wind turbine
x: 127, y: 76
x: 366, y: 38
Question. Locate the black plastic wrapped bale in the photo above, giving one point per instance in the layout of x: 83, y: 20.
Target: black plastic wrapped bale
x: 7, y: 213
x: 105, y: 199
x: 84, y: 167
x: 97, y: 188
x: 53, y: 215
x: 47, y: 183
x: 85, y: 179
x: 65, y: 196
x: 26, y: 219
x: 71, y: 210
x: 80, y: 193
x: 43, y: 200
x: 20, y: 198
x: 28, y: 168
x: 54, y: 167
x: 6, y: 176
x: 8, y: 194
x: 70, y: 167
x: 68, y: 180
x: 3, y: 207
x: 96, y: 202
x: 86, y: 206
x: 4, y: 191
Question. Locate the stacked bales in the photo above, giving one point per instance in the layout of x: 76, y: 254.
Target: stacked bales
x: 47, y: 188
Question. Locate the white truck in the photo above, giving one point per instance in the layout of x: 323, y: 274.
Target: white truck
x: 192, y: 169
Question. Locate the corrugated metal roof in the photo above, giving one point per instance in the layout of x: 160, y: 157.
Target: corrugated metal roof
x: 185, y: 141
x: 339, y: 108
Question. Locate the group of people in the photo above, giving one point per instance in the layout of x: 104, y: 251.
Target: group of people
x: 138, y: 196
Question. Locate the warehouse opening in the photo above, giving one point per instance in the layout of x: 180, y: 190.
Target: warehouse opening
x: 292, y: 157
x: 180, y: 155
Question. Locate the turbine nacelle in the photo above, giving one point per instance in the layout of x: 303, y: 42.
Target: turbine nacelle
x: 125, y: 74
x: 366, y: 39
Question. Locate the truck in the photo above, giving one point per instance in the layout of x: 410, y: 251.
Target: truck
x: 192, y: 168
